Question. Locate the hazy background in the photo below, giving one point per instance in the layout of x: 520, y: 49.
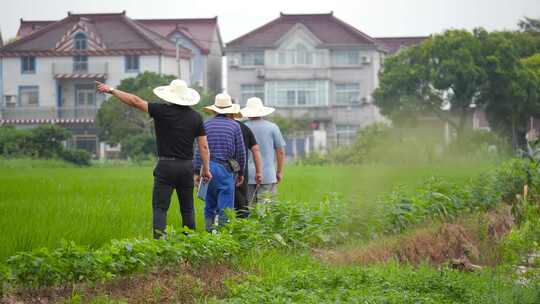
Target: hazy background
x: 376, y: 18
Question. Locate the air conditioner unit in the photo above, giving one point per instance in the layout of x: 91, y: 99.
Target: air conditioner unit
x: 233, y: 62
x: 260, y: 73
x: 10, y: 101
x: 366, y: 59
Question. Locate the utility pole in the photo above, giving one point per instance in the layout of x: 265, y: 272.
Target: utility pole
x: 178, y: 60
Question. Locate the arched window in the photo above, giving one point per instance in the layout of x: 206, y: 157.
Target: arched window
x: 80, y: 41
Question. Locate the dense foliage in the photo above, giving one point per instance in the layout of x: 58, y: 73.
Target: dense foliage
x: 440, y: 199
x: 392, y: 283
x: 45, y: 141
x: 276, y: 225
x: 451, y: 74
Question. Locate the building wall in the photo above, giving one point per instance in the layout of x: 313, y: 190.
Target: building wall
x: 214, y: 64
x: 197, y: 61
x: 170, y: 67
x: 46, y: 67
x: 364, y: 74
x: 114, y: 66
x: 42, y: 77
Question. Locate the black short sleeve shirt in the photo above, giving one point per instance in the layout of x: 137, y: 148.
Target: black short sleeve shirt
x: 176, y: 129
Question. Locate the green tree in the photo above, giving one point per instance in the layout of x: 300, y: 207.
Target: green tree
x: 531, y: 25
x: 510, y: 94
x: 442, y: 72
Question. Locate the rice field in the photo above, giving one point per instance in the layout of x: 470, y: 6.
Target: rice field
x: 44, y: 202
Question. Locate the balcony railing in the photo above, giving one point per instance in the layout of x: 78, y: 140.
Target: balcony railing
x: 47, y: 112
x: 79, y: 68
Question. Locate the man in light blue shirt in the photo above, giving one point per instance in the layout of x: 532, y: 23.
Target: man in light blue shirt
x: 271, y: 146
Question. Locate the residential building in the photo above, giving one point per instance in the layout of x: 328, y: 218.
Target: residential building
x: 200, y: 35
x: 203, y: 38
x: 393, y: 44
x: 309, y: 66
x: 47, y: 75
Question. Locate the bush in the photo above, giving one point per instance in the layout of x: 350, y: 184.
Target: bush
x: 78, y: 156
x: 44, y: 141
x: 275, y: 225
x: 437, y: 199
x: 139, y: 147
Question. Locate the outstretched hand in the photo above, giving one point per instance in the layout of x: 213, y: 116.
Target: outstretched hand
x: 101, y: 87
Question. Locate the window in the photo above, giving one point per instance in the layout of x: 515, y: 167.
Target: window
x: 80, y: 63
x: 346, y: 134
x: 85, y: 94
x: 28, y: 65
x: 346, y: 57
x: 347, y: 94
x: 29, y: 96
x: 132, y: 63
x: 297, y: 93
x: 79, y: 41
x: 251, y: 90
x: 253, y: 58
x: 300, y: 55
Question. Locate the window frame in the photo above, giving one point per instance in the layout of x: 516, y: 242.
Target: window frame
x: 252, y: 92
x: 19, y: 96
x: 80, y: 63
x: 252, y: 56
x: 80, y: 38
x: 130, y: 60
x: 349, y: 55
x: 346, y: 91
x: 30, y: 60
x: 85, y: 88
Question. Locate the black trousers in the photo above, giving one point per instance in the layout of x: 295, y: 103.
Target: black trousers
x: 241, y: 200
x: 169, y: 175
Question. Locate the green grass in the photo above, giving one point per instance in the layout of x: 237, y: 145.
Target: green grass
x: 302, y: 279
x: 44, y: 202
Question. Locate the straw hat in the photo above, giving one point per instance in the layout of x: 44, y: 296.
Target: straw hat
x: 178, y: 93
x: 223, y: 105
x: 255, y: 108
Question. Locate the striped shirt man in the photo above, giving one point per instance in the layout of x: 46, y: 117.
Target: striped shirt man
x: 225, y: 142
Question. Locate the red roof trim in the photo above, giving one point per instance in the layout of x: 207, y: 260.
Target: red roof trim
x: 118, y: 52
x: 190, y: 37
x: 36, y: 33
x: 354, y: 30
x: 47, y: 121
x: 345, y: 25
x: 272, y: 22
x: 180, y: 19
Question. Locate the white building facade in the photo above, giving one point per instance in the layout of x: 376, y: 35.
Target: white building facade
x: 311, y: 67
x: 48, y: 75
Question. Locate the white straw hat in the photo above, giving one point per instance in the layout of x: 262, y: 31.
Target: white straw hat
x: 223, y: 105
x: 178, y: 93
x: 255, y: 108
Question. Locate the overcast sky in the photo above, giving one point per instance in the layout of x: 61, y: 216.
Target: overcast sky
x: 236, y: 17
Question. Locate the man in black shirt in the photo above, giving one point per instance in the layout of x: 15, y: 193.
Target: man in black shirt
x: 241, y: 200
x: 177, y: 126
